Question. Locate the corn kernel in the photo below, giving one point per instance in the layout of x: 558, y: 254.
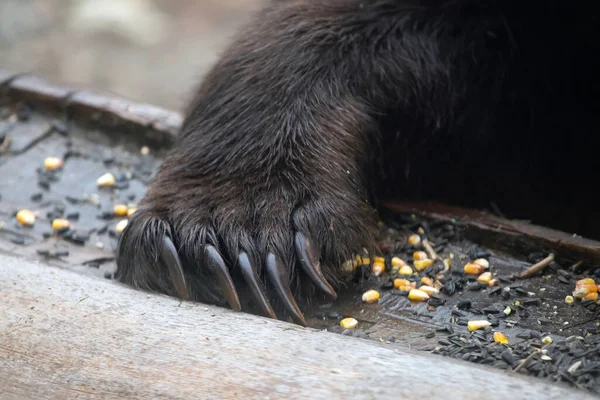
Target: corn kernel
x: 493, y: 282
x: 478, y: 324
x: 397, y: 262
x: 483, y: 262
x: 51, y: 163
x: 349, y: 265
x: 473, y: 269
x: 420, y: 265
x: 131, y: 211
x: 404, y: 284
x: 591, y: 296
x: 500, y: 338
x: 348, y: 323
x: 405, y: 270
x: 120, y: 210
x: 414, y: 240
x: 569, y: 299
x: 370, y: 296
x: 120, y: 227
x: 365, y: 260
x: 378, y: 269
x: 547, y: 340
x: 486, y: 277
x: 585, y: 281
x: 417, y: 295
x: 26, y: 217
x: 106, y: 180
x: 429, y: 290
x: 60, y: 223
x: 427, y: 281
x: 419, y: 255
x: 380, y: 260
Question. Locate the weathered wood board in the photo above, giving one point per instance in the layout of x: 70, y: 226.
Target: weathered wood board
x: 66, y: 336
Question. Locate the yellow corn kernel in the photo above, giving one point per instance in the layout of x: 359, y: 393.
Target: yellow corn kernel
x: 483, y: 262
x: 51, y: 163
x: 370, y: 296
x: 380, y: 260
x: 419, y: 255
x: 420, y: 265
x: 403, y: 284
x: 414, y: 240
x: 378, y: 269
x: 569, y: 299
x: 106, y: 180
x: 427, y: 281
x: 500, y: 338
x: 478, y: 324
x: 429, y: 290
x: 349, y: 266
x: 365, y: 260
x: 486, y: 277
x: 405, y: 270
x: 131, y: 211
x: 493, y: 282
x: 398, y: 262
x: 26, y: 217
x: 591, y: 296
x: 585, y: 281
x: 120, y: 210
x: 60, y: 223
x: 547, y: 340
x: 120, y: 227
x: 348, y: 323
x: 417, y: 295
x: 473, y: 269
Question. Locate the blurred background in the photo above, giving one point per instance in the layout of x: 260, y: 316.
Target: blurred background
x: 152, y: 51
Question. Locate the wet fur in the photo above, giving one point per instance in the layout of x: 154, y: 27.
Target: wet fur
x: 320, y: 110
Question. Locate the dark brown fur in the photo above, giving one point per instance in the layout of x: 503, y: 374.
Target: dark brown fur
x: 319, y: 110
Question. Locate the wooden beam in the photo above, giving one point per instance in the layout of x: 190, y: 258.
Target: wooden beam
x: 64, y: 335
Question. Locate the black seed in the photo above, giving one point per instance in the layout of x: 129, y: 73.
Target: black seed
x: 46, y: 234
x: 535, y: 335
x: 489, y: 310
x: 531, y: 302
x: 523, y: 335
x: 521, y: 291
x: 23, y: 112
x: 332, y: 315
x: 544, y: 321
x: 63, y: 231
x: 108, y: 275
x: 476, y: 252
x: 36, y: 197
x: 562, y: 279
x: 108, y: 160
x: 429, y: 335
x: 564, y: 273
x: 436, y: 301
x: 476, y: 286
x: 94, y: 264
x: 464, y: 304
x: 444, y: 342
x: 102, y: 230
x: 20, y: 240
x: 508, y: 357
x: 395, y: 292
x: 43, y: 252
x: 387, y: 285
x: 73, y: 216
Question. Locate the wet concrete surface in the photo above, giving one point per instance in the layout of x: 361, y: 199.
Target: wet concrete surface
x: 536, y: 304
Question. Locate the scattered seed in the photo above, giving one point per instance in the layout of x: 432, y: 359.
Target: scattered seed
x: 420, y: 265
x: 120, y: 227
x: 405, y: 271
x: 477, y: 324
x: 420, y: 255
x: 59, y: 223
x: 547, y: 340
x: 500, y: 338
x: 429, y: 290
x: 106, y: 180
x: 348, y: 323
x: 473, y: 269
x: 414, y: 240
x: 398, y: 262
x: 52, y: 163
x: 418, y: 295
x: 26, y: 217
x: 370, y: 296
x: 486, y: 278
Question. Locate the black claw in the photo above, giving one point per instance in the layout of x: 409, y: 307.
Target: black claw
x: 169, y: 257
x: 279, y: 279
x: 218, y: 267
x: 251, y: 278
x: 311, y: 265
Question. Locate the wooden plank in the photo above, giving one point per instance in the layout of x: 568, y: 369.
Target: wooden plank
x: 507, y: 235
x: 63, y: 335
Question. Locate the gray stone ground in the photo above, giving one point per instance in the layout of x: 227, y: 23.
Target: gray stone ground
x: 146, y: 50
